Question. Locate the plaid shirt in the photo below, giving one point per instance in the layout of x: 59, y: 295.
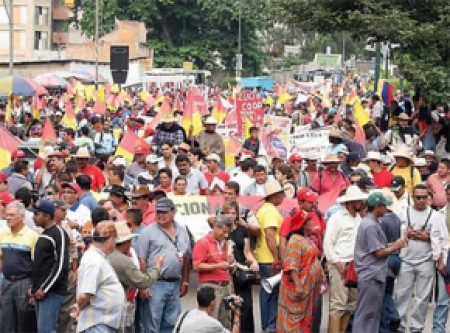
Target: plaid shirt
x: 175, y: 137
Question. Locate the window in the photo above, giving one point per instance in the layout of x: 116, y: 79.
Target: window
x: 41, y: 16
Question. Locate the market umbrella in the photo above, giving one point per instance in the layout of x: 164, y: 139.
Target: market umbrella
x: 16, y: 86
x: 51, y: 81
x: 90, y: 75
x: 40, y: 90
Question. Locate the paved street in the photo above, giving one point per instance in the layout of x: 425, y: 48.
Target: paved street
x: 190, y: 302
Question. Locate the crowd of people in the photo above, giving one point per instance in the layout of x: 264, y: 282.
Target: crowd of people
x: 91, y: 242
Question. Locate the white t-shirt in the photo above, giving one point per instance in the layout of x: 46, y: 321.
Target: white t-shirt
x: 81, y: 215
x: 200, y: 322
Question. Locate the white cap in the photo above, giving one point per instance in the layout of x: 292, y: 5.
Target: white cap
x: 120, y: 161
x: 152, y: 159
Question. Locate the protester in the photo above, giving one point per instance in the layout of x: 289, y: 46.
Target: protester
x: 330, y: 177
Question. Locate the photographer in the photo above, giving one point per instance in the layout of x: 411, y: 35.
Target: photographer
x: 200, y: 320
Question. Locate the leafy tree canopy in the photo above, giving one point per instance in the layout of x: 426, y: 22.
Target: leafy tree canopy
x: 420, y: 27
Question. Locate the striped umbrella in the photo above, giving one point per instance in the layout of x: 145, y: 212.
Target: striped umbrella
x: 16, y: 86
x: 51, y: 81
x: 40, y: 90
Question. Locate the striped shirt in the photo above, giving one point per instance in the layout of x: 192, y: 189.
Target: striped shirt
x: 97, y: 278
x: 17, y: 251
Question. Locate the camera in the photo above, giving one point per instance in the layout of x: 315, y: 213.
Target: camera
x: 230, y: 300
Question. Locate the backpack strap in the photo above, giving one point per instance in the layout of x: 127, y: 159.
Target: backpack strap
x: 428, y: 219
x: 408, y: 217
x: 183, y: 316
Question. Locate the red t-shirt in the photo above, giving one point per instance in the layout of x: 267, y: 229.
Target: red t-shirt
x: 222, y: 175
x: 383, y: 178
x: 206, y: 251
x: 98, y: 179
x: 149, y: 216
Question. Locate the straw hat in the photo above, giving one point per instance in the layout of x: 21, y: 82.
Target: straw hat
x: 404, y: 152
x: 403, y: 116
x: 353, y: 193
x: 123, y: 232
x: 335, y: 133
x: 272, y: 188
x: 168, y: 118
x: 140, y: 191
x: 373, y: 156
x: 331, y: 158
x: 82, y: 152
x: 210, y: 121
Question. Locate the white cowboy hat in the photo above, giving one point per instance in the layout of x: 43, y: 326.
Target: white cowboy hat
x: 210, y: 121
x: 373, y: 156
x: 353, y: 193
x: 404, y: 152
x: 403, y: 116
x: 330, y: 158
x: 420, y: 162
x: 168, y: 118
x: 82, y: 152
x: 272, y: 187
x: 123, y: 232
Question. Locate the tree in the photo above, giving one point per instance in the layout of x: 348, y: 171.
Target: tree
x: 419, y: 27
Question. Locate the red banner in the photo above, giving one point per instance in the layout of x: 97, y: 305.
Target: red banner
x: 249, y: 105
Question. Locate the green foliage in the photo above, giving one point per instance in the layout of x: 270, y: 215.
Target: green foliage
x: 228, y: 81
x: 203, y: 31
x: 86, y: 21
x: 420, y: 27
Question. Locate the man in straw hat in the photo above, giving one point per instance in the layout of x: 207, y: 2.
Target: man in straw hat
x: 330, y: 177
x: 380, y: 176
x: 402, y: 134
x: 210, y: 141
x: 169, y: 131
x: 404, y: 166
x: 427, y: 249
x: 339, y: 244
x: 371, y: 264
x: 127, y: 269
x: 100, y: 297
x: 98, y: 179
x: 142, y: 198
x: 267, y: 251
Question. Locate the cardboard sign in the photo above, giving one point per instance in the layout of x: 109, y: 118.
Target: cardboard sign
x: 249, y: 107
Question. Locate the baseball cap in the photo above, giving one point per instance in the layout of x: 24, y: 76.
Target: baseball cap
x: 378, y: 199
x: 6, y: 198
x: 118, y: 190
x: 141, y: 150
x: 351, y: 157
x: 295, y: 158
x: 73, y: 186
x: 213, y: 157
x: 45, y: 206
x: 307, y: 195
x: 397, y: 183
x: 18, y: 154
x: 119, y: 161
x: 365, y: 183
x: 164, y: 205
x: 3, y: 177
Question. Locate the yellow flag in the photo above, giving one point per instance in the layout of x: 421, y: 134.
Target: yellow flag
x: 361, y: 115
x: 269, y: 100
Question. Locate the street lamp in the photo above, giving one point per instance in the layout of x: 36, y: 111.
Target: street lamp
x: 10, y: 15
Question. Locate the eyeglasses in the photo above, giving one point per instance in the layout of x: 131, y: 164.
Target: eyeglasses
x: 421, y: 197
x: 49, y: 193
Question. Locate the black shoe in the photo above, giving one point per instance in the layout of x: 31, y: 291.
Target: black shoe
x: 394, y: 325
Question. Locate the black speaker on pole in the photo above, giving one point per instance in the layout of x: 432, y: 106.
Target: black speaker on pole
x: 119, y: 63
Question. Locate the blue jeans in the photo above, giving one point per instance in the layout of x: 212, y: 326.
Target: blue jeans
x: 47, y: 312
x: 440, y: 314
x: 268, y: 302
x: 162, y: 309
x: 100, y: 328
x: 388, y: 309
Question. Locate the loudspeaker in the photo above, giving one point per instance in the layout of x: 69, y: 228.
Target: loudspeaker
x: 119, y: 58
x: 119, y: 77
x: 269, y: 283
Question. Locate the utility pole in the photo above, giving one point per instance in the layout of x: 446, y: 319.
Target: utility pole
x: 377, y: 64
x: 10, y: 14
x: 239, y: 54
x: 96, y: 42
x: 386, y: 63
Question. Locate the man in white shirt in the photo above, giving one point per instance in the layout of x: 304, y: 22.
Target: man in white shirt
x: 78, y: 214
x: 245, y: 176
x: 199, y: 320
x: 261, y: 178
x: 423, y: 252
x: 339, y: 245
x: 402, y: 197
x: 196, y: 181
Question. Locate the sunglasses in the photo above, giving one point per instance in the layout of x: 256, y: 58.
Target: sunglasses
x: 421, y: 197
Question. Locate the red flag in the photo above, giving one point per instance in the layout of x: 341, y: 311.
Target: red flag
x: 166, y: 109
x: 359, y: 133
x: 99, y: 107
x: 234, y: 146
x: 48, y: 132
x: 150, y: 101
x: 328, y: 199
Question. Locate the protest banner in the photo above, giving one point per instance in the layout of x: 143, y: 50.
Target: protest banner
x: 307, y: 140
x: 283, y: 125
x: 193, y: 211
x: 249, y: 109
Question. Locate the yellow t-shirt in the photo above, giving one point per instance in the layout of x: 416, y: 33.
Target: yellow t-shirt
x: 268, y: 217
x: 406, y: 174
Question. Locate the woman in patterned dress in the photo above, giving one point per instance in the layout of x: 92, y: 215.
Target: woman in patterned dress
x: 301, y: 282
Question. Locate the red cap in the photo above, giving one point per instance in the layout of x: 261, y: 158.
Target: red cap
x: 247, y: 152
x: 295, y: 158
x: 73, y: 186
x: 307, y: 194
x: 149, y: 131
x: 6, y: 198
x: 18, y: 154
x: 141, y: 150
x: 3, y: 177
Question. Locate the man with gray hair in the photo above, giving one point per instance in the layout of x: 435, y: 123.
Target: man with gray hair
x: 17, y: 243
x: 213, y: 260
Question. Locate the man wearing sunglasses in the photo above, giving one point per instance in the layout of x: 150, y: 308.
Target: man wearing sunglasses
x: 425, y: 250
